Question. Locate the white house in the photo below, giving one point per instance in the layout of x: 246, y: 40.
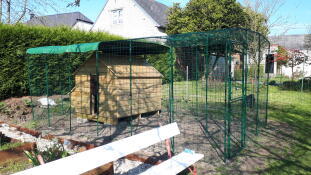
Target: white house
x: 75, y: 20
x: 132, y: 18
x: 304, y: 69
x: 293, y: 42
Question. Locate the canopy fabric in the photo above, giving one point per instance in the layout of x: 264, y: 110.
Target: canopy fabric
x: 75, y: 48
x: 120, y: 47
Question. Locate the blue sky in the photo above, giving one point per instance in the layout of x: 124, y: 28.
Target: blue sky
x: 297, y: 13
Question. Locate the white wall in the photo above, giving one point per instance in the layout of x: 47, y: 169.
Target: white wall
x: 136, y: 22
x: 80, y: 25
x: 306, y: 68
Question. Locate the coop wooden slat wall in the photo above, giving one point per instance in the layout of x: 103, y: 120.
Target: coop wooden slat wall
x: 115, y: 100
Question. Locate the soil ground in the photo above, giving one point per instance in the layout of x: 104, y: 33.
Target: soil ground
x: 251, y: 160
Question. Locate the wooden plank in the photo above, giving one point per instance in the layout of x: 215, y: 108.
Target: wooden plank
x: 175, y: 164
x: 77, y: 164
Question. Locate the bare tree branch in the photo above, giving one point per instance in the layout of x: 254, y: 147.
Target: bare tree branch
x: 75, y: 3
x: 23, y: 13
x: 8, y: 11
x: 0, y: 11
x: 16, y: 11
x: 269, y: 9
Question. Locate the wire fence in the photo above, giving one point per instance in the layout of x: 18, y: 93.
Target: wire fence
x: 212, y: 84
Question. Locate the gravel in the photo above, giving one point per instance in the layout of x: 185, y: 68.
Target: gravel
x: 129, y: 167
x: 42, y: 144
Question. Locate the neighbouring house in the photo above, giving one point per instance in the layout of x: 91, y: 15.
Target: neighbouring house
x: 132, y: 18
x: 75, y: 20
x: 292, y: 42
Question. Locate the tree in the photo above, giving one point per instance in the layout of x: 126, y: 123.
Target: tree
x: 16, y: 10
x: 269, y: 16
x: 296, y: 57
x: 282, y: 56
x: 0, y: 11
x: 257, y: 22
x: 74, y: 3
x: 203, y: 15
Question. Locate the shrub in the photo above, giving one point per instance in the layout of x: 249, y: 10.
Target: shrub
x: 272, y: 83
x: 297, y: 85
x: 55, y: 152
x: 16, y: 39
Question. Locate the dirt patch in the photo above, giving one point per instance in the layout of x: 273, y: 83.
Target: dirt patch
x: 16, y: 153
x: 15, y: 110
x: 270, y: 144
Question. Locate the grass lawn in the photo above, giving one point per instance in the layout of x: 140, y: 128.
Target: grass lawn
x: 284, y: 146
x: 294, y: 109
x: 7, y: 146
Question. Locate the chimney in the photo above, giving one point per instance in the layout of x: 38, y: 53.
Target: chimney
x: 32, y: 15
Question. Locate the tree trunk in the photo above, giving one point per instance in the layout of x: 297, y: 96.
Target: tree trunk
x: 292, y: 70
x: 8, y: 12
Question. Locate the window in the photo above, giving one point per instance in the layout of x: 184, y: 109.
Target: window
x: 117, y: 16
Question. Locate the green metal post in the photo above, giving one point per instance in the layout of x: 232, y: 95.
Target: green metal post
x: 226, y: 105
x: 47, y: 89
x: 257, y: 95
x: 244, y: 92
x: 97, y: 93
x: 131, y: 86
x: 70, y: 85
x: 171, y: 94
x: 197, y: 80
x: 228, y: 97
x: 30, y: 89
x: 303, y: 74
x: 267, y: 95
x: 206, y: 84
x: 61, y: 92
x: 229, y: 58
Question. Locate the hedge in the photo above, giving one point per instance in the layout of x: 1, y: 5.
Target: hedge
x: 16, y: 39
x: 297, y: 85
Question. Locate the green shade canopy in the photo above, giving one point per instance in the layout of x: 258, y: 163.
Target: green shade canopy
x: 121, y: 47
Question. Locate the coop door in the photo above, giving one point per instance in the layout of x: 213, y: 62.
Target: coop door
x: 237, y: 101
x: 94, y: 94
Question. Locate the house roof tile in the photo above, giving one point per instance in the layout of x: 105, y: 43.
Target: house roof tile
x: 156, y: 10
x: 64, y: 19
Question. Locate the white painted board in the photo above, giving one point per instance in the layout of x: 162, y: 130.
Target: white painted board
x: 174, y: 165
x: 82, y: 162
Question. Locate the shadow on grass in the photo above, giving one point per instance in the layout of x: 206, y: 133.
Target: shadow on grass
x: 284, y: 147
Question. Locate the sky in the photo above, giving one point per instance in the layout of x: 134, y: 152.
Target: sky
x: 296, y: 12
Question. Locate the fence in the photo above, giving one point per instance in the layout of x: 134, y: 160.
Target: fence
x: 211, y: 83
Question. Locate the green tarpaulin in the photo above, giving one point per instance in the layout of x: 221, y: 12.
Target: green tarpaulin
x: 122, y: 47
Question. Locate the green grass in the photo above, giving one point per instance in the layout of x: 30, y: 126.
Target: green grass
x: 7, y: 146
x: 294, y: 109
x: 291, y: 108
x: 13, y: 166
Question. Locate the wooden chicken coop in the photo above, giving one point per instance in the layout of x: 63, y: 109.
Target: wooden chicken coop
x: 126, y: 84
x: 114, y: 82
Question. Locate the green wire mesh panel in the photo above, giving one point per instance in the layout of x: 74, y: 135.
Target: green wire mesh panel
x: 214, y: 94
x: 211, y: 83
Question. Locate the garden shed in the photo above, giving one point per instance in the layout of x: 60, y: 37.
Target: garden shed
x: 115, y: 81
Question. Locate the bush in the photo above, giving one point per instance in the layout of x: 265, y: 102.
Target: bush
x: 273, y: 83
x: 55, y: 152
x: 16, y: 39
x: 296, y: 85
